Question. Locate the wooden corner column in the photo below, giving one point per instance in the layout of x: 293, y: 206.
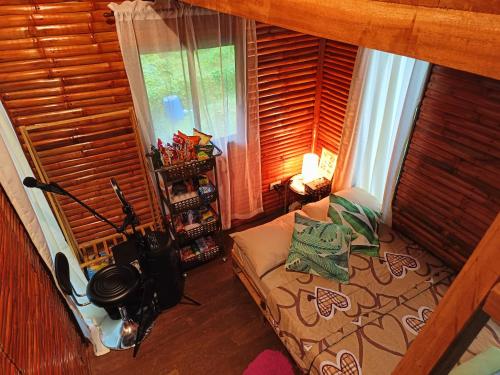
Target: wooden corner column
x: 456, y: 311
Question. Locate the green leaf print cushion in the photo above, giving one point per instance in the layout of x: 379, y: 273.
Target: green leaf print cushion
x: 320, y: 248
x: 362, y: 220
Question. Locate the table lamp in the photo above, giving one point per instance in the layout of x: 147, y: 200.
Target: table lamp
x: 310, y: 167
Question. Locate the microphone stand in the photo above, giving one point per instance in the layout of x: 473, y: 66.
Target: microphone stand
x: 146, y: 318
x: 118, y: 229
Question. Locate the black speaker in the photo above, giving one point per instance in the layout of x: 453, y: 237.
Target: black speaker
x: 163, y: 264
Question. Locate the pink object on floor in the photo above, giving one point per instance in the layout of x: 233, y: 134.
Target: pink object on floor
x: 269, y: 362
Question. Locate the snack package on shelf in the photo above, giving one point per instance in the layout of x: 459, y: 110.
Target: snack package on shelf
x: 205, y: 244
x: 204, y: 138
x: 206, y: 189
x: 191, y: 219
x: 189, y: 142
x: 178, y: 224
x: 203, y: 180
x: 199, y: 246
x: 187, y: 253
x: 182, y: 190
x: 183, y: 187
x: 204, y: 152
x: 207, y: 215
x: 184, y: 148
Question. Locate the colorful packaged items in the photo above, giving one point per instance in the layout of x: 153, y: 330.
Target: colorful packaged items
x: 205, y: 244
x: 207, y: 215
x: 204, y: 138
x: 187, y: 253
x: 183, y: 148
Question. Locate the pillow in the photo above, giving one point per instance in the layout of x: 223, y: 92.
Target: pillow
x: 361, y: 197
x: 320, y: 248
x: 319, y: 210
x: 266, y: 246
x: 362, y: 220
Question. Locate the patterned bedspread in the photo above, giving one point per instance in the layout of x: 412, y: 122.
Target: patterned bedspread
x: 377, y: 346
x: 368, y: 324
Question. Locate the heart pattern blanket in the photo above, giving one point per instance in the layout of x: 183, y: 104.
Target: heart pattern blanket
x: 332, y: 328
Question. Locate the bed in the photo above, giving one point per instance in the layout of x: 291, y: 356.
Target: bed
x: 331, y: 328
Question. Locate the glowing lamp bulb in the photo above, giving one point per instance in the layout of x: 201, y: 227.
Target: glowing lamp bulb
x: 310, y: 167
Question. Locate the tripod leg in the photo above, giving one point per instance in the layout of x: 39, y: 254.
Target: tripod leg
x: 147, y: 319
x: 193, y: 301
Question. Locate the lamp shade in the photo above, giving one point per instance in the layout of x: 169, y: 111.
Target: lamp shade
x: 310, y: 167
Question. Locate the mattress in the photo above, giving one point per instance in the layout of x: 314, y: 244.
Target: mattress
x: 326, y: 325
x: 377, y: 346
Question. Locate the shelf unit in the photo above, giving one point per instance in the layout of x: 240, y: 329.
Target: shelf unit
x: 165, y: 177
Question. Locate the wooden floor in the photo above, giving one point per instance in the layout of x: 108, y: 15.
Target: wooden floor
x: 220, y: 337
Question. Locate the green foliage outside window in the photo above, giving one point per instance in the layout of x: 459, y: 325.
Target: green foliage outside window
x: 167, y: 73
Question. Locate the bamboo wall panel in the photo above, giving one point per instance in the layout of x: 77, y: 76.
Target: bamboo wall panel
x: 37, y: 333
x: 295, y: 98
x: 287, y: 67
x: 61, y: 60
x: 338, y: 65
x: 81, y: 155
x: 449, y: 189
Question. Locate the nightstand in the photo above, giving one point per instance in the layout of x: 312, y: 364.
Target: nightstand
x: 306, y: 192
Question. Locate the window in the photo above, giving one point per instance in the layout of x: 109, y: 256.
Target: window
x: 189, y: 90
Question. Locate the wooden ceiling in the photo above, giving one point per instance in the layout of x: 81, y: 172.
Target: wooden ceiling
x: 460, y: 34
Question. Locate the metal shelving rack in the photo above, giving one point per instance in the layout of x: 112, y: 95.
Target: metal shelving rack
x: 168, y: 175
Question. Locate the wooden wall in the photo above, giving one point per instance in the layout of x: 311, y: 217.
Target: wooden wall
x: 287, y: 69
x: 61, y: 60
x: 292, y: 100
x: 334, y: 85
x: 37, y: 333
x: 449, y: 189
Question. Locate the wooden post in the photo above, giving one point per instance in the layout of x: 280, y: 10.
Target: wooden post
x: 460, y: 303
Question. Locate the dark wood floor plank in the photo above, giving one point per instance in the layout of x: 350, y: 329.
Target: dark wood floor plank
x: 220, y: 337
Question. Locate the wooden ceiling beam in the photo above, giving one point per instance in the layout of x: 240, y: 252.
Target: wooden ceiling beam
x: 461, y: 39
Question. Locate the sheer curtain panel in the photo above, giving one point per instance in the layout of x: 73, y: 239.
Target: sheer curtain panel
x: 188, y: 68
x: 383, y: 100
x: 36, y: 215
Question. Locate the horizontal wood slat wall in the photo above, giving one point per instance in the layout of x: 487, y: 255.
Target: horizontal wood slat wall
x: 81, y: 155
x: 37, y: 334
x: 287, y: 67
x: 449, y: 189
x: 61, y: 60
x: 338, y: 65
x: 288, y: 83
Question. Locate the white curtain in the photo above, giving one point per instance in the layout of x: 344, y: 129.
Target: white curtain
x: 384, y: 96
x: 42, y: 227
x: 188, y: 67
